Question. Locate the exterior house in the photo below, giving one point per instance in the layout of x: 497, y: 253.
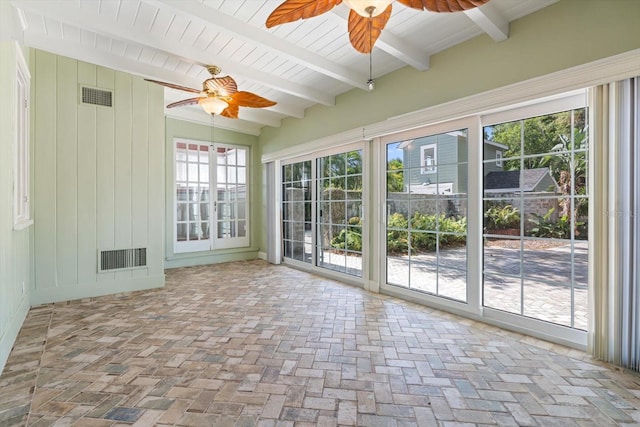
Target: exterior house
x: 437, y: 164
x: 527, y: 180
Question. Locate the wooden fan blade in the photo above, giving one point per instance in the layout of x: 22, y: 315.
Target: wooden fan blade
x: 224, y: 86
x: 171, y: 85
x: 248, y: 99
x: 292, y: 10
x: 363, y: 32
x: 443, y: 5
x: 231, y: 111
x: 189, y: 101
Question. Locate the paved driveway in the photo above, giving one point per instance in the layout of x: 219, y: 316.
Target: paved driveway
x: 542, y: 289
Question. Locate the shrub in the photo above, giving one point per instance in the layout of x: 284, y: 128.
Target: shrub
x: 351, y: 237
x: 398, y: 241
x: 500, y: 217
x: 544, y: 226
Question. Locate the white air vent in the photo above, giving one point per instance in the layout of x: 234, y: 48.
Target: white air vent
x: 121, y: 259
x: 93, y: 96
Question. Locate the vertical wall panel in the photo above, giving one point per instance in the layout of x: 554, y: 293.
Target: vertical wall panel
x: 87, y: 265
x: 139, y: 174
x: 156, y: 162
x: 123, y: 132
x: 67, y: 172
x: 44, y: 109
x: 105, y: 169
x: 139, y: 156
x: 95, y: 187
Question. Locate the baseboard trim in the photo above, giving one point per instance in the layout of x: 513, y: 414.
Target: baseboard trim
x: 8, y: 339
x: 95, y: 289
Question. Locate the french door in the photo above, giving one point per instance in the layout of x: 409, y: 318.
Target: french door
x: 211, y: 196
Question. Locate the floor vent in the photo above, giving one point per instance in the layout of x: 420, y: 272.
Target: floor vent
x: 121, y: 259
x: 93, y: 96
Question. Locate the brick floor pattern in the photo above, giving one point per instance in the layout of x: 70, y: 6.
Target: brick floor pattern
x: 253, y: 344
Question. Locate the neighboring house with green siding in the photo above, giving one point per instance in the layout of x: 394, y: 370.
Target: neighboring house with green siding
x: 437, y: 164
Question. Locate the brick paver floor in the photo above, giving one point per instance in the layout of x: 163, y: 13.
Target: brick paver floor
x: 249, y: 343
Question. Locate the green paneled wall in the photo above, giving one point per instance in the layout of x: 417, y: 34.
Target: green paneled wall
x: 188, y: 130
x: 15, y: 260
x: 98, y: 178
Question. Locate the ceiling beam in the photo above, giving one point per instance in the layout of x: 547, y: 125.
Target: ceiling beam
x: 81, y: 18
x: 490, y: 21
x: 391, y: 44
x: 265, y: 39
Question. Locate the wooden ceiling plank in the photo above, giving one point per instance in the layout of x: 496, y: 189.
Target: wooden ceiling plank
x: 265, y: 39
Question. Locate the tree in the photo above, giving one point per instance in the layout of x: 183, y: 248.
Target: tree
x: 395, y: 176
x: 556, y: 141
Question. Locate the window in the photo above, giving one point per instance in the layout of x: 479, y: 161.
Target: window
x: 428, y: 158
x: 21, y: 169
x: 211, y: 196
x: 499, y: 158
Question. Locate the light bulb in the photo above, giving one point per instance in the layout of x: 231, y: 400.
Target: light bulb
x: 368, y: 8
x: 371, y: 84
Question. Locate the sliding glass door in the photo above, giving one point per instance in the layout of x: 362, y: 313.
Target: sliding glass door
x: 322, y: 211
x: 426, y: 214
x: 536, y: 213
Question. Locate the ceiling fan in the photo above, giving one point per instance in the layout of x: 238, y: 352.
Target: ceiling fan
x: 219, y: 95
x: 367, y: 18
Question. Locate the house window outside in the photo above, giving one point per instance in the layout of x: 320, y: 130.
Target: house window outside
x: 210, y: 194
x: 21, y: 169
x: 428, y: 158
x: 499, y: 158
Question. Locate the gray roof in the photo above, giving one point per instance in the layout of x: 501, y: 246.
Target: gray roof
x: 503, y: 180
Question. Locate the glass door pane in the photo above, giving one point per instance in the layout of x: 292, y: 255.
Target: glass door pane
x: 231, y: 201
x: 192, y: 197
x: 296, y: 211
x: 426, y: 214
x: 535, y: 218
x: 339, y: 212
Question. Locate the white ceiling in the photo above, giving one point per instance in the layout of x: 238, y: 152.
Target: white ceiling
x: 298, y: 65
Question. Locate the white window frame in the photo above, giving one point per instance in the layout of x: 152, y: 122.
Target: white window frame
x: 424, y: 167
x: 21, y: 147
x: 531, y: 326
x: 499, y: 161
x: 213, y: 242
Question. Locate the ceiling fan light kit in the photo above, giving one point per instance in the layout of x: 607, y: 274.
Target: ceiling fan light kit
x: 213, y: 105
x: 219, y: 95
